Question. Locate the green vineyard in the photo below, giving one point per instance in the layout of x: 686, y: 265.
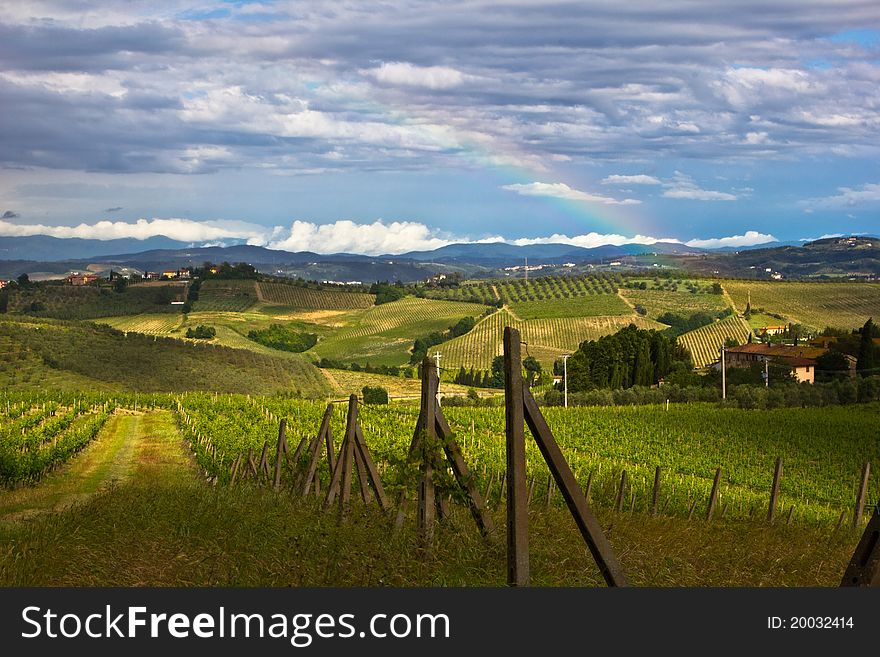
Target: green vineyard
x: 299, y: 297
x: 815, y: 305
x: 227, y: 295
x: 823, y: 448
x: 39, y: 432
x: 162, y: 324
x: 535, y: 289
x: 547, y: 339
x: 705, y: 342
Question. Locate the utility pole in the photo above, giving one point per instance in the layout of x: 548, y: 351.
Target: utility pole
x: 565, y: 376
x: 527, y: 270
x: 766, y: 372
x: 723, y: 375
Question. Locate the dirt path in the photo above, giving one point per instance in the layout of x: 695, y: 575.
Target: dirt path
x: 331, y: 379
x: 144, y: 446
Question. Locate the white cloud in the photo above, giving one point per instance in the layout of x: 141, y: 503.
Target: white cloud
x: 591, y: 240
x: 408, y: 75
x: 640, y: 179
x: 750, y: 238
x: 184, y: 230
x: 561, y: 190
x: 848, y: 197
x: 684, y: 187
x: 349, y: 237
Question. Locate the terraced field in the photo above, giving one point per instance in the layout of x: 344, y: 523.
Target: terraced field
x: 383, y: 335
x: 547, y: 338
x: 816, y: 305
x: 681, y: 302
x: 227, y: 295
x: 704, y: 342
x: 299, y: 297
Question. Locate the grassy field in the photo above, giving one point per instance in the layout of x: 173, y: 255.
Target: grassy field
x: 815, y: 305
x: 298, y: 297
x: 680, y: 302
x: 704, y: 343
x: 383, y: 335
x: 547, y: 338
x: 100, y: 358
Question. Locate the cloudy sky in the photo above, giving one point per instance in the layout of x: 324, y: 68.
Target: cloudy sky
x: 383, y: 127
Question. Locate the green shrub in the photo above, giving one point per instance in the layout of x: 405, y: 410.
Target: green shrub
x: 282, y: 338
x: 375, y: 395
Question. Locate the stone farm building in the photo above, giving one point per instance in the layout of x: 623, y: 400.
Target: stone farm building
x: 801, y: 359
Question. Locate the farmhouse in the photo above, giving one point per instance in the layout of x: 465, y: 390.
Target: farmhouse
x: 772, y: 330
x: 151, y: 276
x: 80, y: 278
x: 801, y: 359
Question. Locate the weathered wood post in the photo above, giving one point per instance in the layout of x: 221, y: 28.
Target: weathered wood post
x: 427, y: 502
x: 348, y: 456
x: 280, y: 451
x: 621, y: 492
x: 655, y: 494
x: 864, y: 567
x: 860, y: 498
x: 713, y: 498
x: 515, y: 439
x: 774, y: 492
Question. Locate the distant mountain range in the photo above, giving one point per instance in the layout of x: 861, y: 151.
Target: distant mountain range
x: 46, y: 257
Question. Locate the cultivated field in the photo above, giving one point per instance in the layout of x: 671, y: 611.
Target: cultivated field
x: 815, y: 305
x: 384, y: 334
x: 704, y: 343
x: 227, y: 295
x: 148, y: 324
x: 679, y: 302
x: 594, y: 305
x: 823, y: 448
x: 547, y: 338
x: 535, y: 289
x: 300, y: 297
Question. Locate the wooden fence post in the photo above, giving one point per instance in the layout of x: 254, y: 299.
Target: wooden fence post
x: 621, y: 491
x: 713, y: 498
x: 864, y: 567
x: 774, y: 492
x: 860, y: 498
x: 515, y: 439
x: 280, y: 450
x: 655, y: 495
x: 427, y: 502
